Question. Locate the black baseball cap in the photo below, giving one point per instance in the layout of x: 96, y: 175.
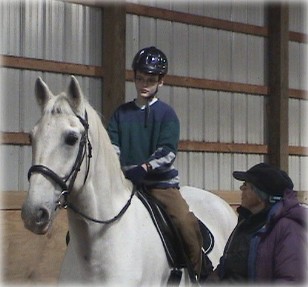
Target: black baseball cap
x: 267, y: 178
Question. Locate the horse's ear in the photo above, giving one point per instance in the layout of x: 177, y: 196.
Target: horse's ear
x: 42, y: 92
x: 75, y: 94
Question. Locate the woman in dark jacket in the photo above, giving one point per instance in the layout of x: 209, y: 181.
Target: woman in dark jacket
x: 269, y: 243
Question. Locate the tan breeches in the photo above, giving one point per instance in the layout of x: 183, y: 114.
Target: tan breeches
x: 184, y: 220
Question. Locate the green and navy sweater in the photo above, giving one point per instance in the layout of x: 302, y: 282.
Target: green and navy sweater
x: 147, y: 135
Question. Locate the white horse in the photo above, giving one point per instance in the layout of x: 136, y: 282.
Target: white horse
x: 126, y: 249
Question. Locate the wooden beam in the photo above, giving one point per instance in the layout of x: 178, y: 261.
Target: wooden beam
x: 298, y: 94
x: 204, y: 21
x: 21, y: 138
x: 278, y: 57
x: 298, y: 37
x: 13, y: 200
x: 194, y: 146
x: 14, y: 138
x: 114, y: 28
x: 51, y: 66
x: 190, y: 19
x: 298, y: 150
x: 232, y: 87
x: 179, y: 81
x: 198, y: 83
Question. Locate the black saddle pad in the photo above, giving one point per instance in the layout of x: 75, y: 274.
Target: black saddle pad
x: 208, y: 238
x: 169, y: 235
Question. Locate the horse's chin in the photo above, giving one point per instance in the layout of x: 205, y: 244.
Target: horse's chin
x: 39, y: 229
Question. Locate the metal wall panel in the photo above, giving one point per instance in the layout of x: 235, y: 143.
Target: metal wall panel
x: 210, y: 54
x: 238, y: 11
x: 10, y: 13
x: 256, y: 70
x: 303, y: 71
x: 303, y: 174
x: 180, y: 51
x: 163, y: 35
x: 180, y: 105
x: 239, y: 58
x: 23, y: 112
x: 210, y: 171
x: 298, y: 167
x: 303, y: 110
x: 51, y: 30
x: 224, y: 55
x: 195, y: 51
x: 256, y: 128
x: 240, y: 118
x: 225, y: 117
x: 215, y: 116
x: 294, y: 119
x: 10, y: 99
x: 211, y: 116
x: 298, y: 17
x: 9, y: 156
x: 195, y: 111
x: 60, y: 31
x: 294, y: 65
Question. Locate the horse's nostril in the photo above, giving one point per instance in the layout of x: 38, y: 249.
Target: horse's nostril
x: 42, y: 216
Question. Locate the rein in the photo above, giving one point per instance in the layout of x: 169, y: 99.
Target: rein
x: 108, y: 221
x: 85, y: 147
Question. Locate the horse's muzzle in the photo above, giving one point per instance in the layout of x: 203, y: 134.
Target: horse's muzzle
x: 36, y: 219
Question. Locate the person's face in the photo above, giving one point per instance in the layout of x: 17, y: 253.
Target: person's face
x: 250, y: 199
x: 146, y: 84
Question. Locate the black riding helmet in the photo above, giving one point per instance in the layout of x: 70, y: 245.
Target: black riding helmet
x: 151, y: 61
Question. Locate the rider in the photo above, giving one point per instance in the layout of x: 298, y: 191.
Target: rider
x: 145, y: 134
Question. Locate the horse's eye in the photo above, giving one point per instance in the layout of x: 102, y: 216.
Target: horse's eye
x: 71, y: 139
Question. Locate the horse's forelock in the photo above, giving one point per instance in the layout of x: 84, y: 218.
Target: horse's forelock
x: 58, y: 105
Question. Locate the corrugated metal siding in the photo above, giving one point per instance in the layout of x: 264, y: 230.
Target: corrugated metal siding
x: 51, y: 30
x: 298, y: 166
x: 55, y: 30
x: 216, y: 116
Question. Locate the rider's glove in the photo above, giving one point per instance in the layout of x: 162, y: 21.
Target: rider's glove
x: 136, y: 174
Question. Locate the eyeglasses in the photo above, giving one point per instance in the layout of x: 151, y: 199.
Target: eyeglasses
x: 149, y: 81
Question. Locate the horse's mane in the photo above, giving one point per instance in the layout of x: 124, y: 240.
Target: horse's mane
x: 105, y: 142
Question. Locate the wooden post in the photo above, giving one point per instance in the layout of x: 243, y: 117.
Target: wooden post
x: 278, y: 65
x: 114, y: 30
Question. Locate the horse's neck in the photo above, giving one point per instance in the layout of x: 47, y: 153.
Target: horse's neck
x: 106, y: 190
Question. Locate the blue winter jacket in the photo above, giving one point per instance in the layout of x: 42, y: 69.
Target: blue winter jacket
x: 278, y: 251
x: 268, y: 247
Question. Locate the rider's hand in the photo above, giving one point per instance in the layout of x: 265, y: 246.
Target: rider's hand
x: 136, y: 174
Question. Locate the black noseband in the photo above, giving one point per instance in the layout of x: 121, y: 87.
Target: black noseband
x: 49, y: 173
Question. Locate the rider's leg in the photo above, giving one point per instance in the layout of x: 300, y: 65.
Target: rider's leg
x: 186, y: 222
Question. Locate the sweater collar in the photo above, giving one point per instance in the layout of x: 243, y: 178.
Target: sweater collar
x: 154, y: 100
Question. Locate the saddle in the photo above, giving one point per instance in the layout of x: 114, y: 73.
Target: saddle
x: 172, y: 241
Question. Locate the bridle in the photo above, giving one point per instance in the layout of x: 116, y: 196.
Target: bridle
x: 66, y: 187
x: 67, y: 182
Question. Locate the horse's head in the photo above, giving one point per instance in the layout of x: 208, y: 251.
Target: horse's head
x: 59, y: 145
